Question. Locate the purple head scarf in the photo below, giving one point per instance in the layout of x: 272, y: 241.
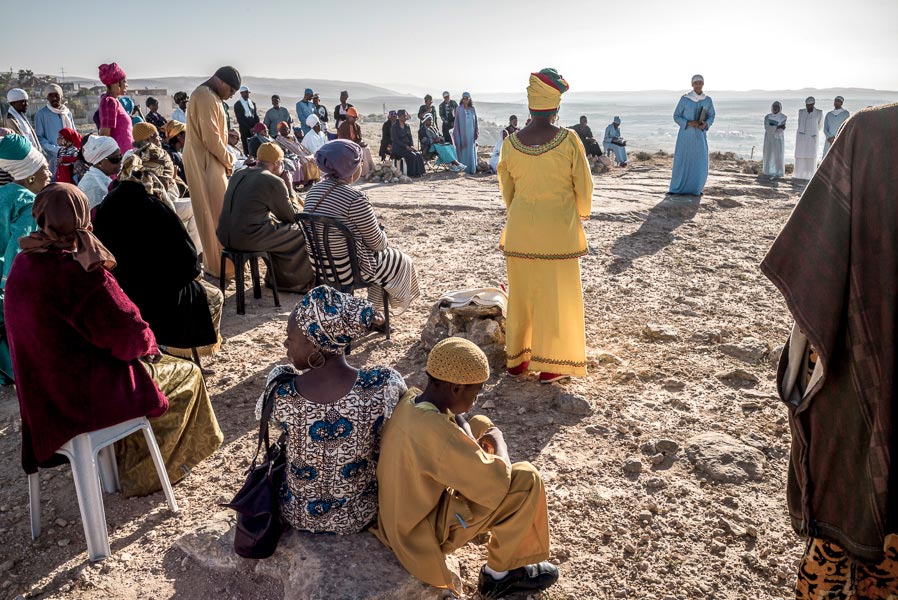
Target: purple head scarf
x: 339, y: 159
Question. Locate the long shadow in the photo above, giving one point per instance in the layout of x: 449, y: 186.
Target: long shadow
x: 655, y: 233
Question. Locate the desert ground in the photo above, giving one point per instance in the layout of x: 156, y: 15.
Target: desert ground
x: 665, y: 467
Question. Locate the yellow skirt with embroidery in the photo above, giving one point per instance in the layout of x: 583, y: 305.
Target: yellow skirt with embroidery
x: 545, y: 322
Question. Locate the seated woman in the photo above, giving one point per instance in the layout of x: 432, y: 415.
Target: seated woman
x: 332, y: 414
x: 105, y: 159
x: 314, y: 138
x: 257, y: 215
x: 306, y: 171
x: 158, y: 264
x: 341, y: 163
x: 27, y: 167
x: 432, y: 144
x: 77, y: 342
x: 402, y: 146
x: 352, y: 131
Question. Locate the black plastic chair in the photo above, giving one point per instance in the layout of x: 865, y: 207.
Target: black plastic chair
x: 239, y: 258
x: 319, y: 231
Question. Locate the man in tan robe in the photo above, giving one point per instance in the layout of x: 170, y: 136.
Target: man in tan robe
x: 207, y: 162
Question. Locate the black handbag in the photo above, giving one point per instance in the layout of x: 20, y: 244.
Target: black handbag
x: 257, y: 503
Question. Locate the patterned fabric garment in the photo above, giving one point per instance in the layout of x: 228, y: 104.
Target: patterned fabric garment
x: 332, y: 451
x: 826, y: 572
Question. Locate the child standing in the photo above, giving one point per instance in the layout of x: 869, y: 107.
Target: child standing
x: 69, y: 142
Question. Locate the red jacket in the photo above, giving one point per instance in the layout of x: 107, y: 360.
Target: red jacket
x: 75, y: 339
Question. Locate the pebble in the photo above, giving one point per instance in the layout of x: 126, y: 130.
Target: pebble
x: 667, y: 446
x: 629, y: 549
x: 6, y: 565
x: 596, y: 430
x: 61, y: 522
x: 63, y: 542
x: 633, y: 465
x: 656, y: 459
x: 645, y: 515
x: 657, y: 331
x: 717, y: 547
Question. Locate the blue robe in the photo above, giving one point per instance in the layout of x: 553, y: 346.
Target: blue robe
x: 303, y: 110
x: 15, y: 222
x: 464, y: 133
x: 690, y: 166
x: 620, y: 152
x: 47, y: 125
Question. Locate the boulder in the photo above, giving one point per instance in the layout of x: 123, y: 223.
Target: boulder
x: 305, y: 563
x: 724, y: 459
x: 738, y: 378
x: 750, y: 350
x: 483, y: 325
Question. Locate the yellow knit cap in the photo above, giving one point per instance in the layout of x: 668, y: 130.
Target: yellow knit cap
x: 270, y: 152
x: 143, y: 131
x: 458, y: 360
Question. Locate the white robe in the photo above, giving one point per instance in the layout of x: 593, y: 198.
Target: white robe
x: 774, y: 145
x: 311, y: 141
x: 807, y: 142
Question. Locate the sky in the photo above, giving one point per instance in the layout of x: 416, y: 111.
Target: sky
x: 477, y: 45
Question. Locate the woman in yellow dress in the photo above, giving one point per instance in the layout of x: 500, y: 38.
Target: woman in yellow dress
x: 547, y: 187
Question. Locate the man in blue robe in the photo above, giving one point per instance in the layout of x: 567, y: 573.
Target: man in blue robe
x: 833, y: 121
x: 614, y: 143
x: 304, y: 108
x: 694, y: 114
x: 49, y: 120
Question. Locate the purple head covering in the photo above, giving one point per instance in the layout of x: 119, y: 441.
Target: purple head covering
x: 339, y: 159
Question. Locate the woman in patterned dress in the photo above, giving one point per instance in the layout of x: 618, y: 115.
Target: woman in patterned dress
x: 331, y: 413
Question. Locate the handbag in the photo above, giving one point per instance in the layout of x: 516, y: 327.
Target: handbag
x: 257, y: 504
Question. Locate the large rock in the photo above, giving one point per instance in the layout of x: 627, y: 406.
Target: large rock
x: 315, y: 566
x: 483, y: 325
x: 725, y: 459
x: 750, y: 350
x: 656, y: 331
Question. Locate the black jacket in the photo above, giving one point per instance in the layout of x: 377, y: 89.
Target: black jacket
x: 246, y: 121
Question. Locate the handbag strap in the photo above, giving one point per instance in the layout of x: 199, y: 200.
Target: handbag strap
x: 267, y: 409
x: 325, y: 195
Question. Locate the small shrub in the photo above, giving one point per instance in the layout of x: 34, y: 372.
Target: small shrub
x: 641, y: 156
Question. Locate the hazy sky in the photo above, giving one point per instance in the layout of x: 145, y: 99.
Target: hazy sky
x: 478, y: 45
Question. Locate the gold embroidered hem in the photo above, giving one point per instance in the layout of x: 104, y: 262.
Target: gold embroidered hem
x: 542, y: 148
x: 545, y: 321
x: 532, y: 255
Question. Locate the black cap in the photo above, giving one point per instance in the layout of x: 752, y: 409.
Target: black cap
x: 401, y: 113
x: 229, y: 75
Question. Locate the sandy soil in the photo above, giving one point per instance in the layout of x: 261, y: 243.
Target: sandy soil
x: 667, y: 532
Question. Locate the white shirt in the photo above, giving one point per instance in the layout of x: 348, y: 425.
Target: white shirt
x: 312, y: 141
x: 179, y: 115
x: 95, y: 185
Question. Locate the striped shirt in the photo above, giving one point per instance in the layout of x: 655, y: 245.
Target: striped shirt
x: 352, y: 208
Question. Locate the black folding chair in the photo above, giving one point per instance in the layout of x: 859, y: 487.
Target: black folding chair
x: 320, y: 231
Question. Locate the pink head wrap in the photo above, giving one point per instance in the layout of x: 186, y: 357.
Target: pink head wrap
x: 111, y: 74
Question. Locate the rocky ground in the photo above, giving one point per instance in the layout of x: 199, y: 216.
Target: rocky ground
x: 665, y: 467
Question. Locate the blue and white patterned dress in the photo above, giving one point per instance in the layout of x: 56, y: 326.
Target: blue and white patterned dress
x: 330, y: 484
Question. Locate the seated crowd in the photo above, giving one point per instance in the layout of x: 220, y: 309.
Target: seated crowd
x: 81, y: 295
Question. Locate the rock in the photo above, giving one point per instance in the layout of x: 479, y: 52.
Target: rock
x: 645, y: 515
x: 667, y: 446
x: 606, y: 358
x: 717, y: 547
x: 633, y: 465
x: 571, y: 404
x: 673, y: 384
x: 655, y: 331
x: 656, y: 459
x: 706, y: 337
x: 727, y: 202
x: 488, y: 404
x: 483, y: 325
x: 737, y: 378
x: 725, y: 459
x: 596, y: 430
x: 61, y: 522
x: 304, y: 563
x: 6, y: 565
x: 63, y: 542
x: 750, y: 350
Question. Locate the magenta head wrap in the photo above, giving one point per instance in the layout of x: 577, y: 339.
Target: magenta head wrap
x: 339, y: 159
x: 111, y: 74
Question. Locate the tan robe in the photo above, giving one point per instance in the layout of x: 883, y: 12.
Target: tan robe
x: 207, y: 164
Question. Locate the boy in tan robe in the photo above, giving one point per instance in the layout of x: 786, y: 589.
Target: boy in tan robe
x: 443, y: 480
x: 207, y: 162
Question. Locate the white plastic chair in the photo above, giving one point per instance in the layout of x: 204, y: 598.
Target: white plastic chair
x: 92, y: 459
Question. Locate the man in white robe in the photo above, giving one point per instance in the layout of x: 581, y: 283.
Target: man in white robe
x: 17, y: 117
x: 810, y: 121
x: 314, y: 138
x: 833, y: 122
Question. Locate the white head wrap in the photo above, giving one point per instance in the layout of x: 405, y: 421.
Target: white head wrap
x: 698, y: 78
x: 312, y: 120
x: 98, y: 147
x: 243, y: 88
x: 810, y: 100
x: 840, y: 98
x: 50, y: 88
x: 25, y: 167
x: 616, y: 120
x: 16, y: 94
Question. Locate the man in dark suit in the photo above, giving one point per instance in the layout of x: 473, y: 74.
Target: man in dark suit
x: 247, y: 116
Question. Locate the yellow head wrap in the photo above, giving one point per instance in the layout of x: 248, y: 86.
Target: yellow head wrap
x: 173, y: 128
x: 458, y: 360
x: 143, y: 131
x: 270, y: 152
x: 544, y: 92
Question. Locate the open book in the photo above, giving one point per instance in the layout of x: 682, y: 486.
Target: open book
x: 702, y: 115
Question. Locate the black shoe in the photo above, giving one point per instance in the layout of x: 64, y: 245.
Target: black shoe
x: 529, y: 578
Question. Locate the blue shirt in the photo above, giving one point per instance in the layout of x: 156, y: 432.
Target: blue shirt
x: 304, y: 108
